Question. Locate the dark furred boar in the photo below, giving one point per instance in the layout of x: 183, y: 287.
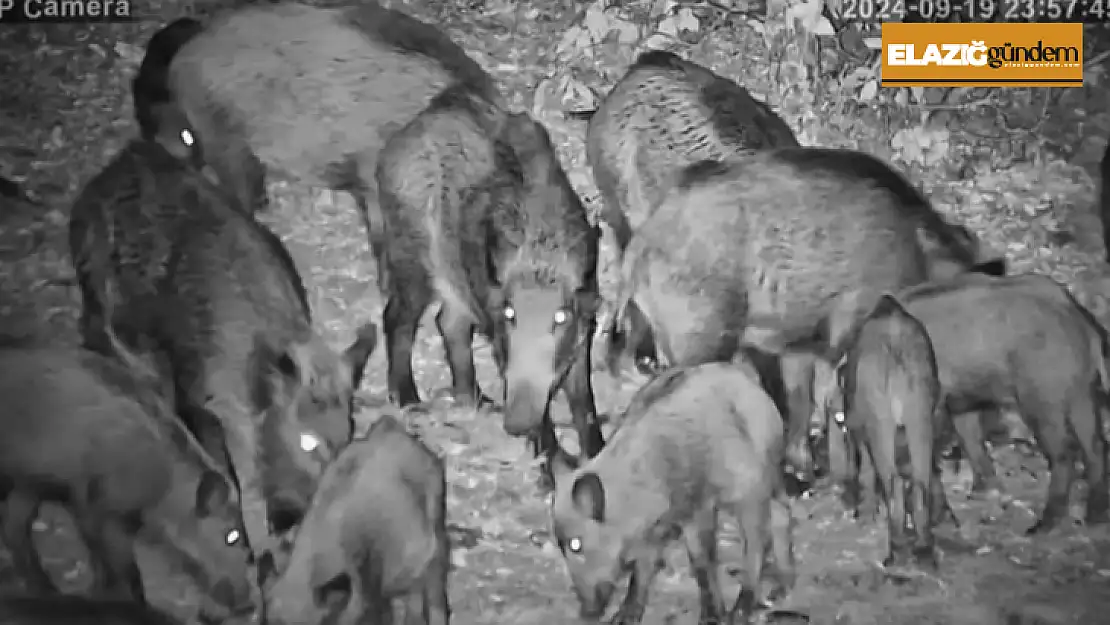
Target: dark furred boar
x: 481, y: 216
x: 856, y: 475
x: 158, y: 114
x: 219, y: 295
x: 667, y: 113
x: 1023, y: 343
x: 550, y: 279
x: 693, y: 440
x: 741, y: 253
x: 314, y: 93
x: 122, y: 226
x: 94, y: 433
x: 78, y: 610
x: 442, y: 179
x: 891, y: 400
x: 376, y: 531
x: 664, y: 114
x: 150, y: 89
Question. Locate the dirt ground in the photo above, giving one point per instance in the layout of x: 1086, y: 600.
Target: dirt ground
x: 70, y: 113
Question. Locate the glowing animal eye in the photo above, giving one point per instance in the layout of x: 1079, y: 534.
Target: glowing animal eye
x: 838, y: 416
x: 561, y: 317
x: 574, y: 545
x: 232, y: 537
x: 510, y: 313
x: 187, y: 138
x: 309, y: 442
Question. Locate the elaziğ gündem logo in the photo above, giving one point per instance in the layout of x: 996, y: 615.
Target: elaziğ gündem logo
x: 977, y: 54
x: 982, y: 55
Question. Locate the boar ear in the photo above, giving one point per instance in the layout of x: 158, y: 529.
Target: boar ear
x: 273, y: 369
x: 589, y: 496
x: 212, y: 492
x: 887, y: 305
x: 360, y: 351
x: 271, y: 355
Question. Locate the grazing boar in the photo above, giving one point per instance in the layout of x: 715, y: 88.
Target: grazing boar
x: 694, y: 440
x: 482, y: 217
x: 312, y: 93
x: 219, y: 296
x: 96, y: 434
x: 738, y: 254
x: 891, y: 401
x: 1022, y: 342
x: 376, y: 531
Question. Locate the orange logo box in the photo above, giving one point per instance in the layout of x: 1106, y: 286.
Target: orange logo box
x: 982, y: 55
